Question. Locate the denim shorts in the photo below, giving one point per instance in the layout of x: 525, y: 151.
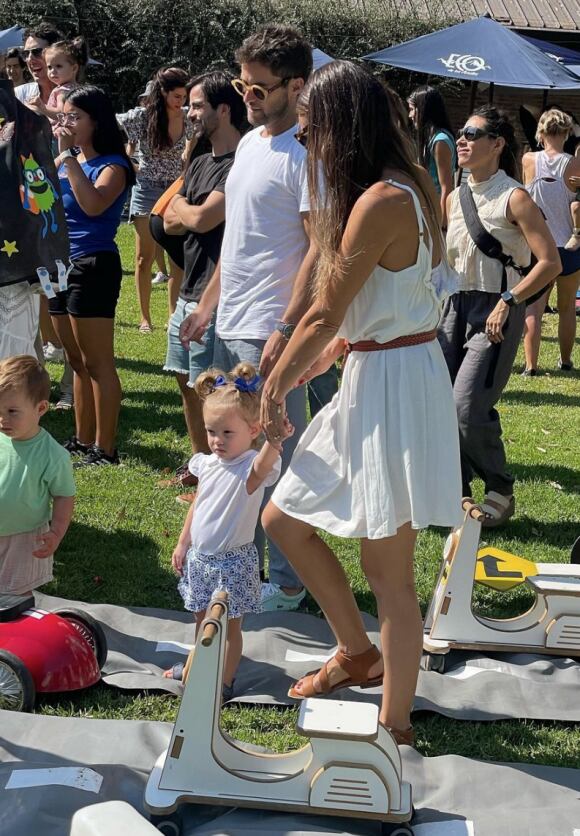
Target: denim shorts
x: 144, y: 196
x: 197, y: 358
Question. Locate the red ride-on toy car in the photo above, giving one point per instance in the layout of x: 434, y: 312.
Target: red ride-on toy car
x: 46, y: 652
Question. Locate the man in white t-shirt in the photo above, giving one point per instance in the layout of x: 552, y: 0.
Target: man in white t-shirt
x: 260, y: 287
x: 36, y: 42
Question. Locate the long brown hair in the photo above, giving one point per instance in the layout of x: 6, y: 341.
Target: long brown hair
x: 353, y: 135
x: 164, y: 81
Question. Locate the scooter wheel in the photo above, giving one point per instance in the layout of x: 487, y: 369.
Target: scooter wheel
x: 90, y: 630
x: 396, y: 830
x: 433, y: 662
x: 168, y: 825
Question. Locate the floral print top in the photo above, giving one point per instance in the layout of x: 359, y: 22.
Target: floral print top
x: 161, y: 167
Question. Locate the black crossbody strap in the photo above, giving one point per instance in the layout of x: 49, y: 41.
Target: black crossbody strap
x: 484, y: 240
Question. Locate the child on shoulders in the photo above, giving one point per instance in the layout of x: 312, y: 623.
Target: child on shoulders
x: 36, y: 479
x: 216, y: 548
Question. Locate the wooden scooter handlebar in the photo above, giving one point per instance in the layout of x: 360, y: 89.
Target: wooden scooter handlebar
x: 215, y: 612
x: 473, y: 509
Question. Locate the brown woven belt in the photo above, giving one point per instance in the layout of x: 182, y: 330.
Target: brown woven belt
x: 399, y: 342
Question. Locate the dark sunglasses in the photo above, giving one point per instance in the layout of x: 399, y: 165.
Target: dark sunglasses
x: 32, y: 53
x: 258, y: 90
x: 301, y: 136
x: 471, y: 133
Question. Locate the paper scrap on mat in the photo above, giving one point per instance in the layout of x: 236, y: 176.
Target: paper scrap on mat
x: 451, y: 827
x: 173, y: 647
x: 79, y: 777
x: 297, y: 656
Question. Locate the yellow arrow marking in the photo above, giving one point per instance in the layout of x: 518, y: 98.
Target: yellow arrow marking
x: 502, y: 570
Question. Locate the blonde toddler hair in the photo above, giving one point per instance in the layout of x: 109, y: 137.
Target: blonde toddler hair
x: 238, y: 389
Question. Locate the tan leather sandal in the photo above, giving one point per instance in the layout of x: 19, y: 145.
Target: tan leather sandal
x: 403, y: 737
x: 355, y: 667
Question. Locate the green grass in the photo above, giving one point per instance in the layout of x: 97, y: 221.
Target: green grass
x: 119, y: 546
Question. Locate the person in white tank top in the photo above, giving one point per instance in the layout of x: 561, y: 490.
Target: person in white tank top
x: 553, y: 180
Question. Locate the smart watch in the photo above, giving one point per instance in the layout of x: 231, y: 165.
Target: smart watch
x: 285, y: 329
x: 510, y: 299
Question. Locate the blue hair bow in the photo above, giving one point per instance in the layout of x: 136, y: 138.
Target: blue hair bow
x: 241, y: 384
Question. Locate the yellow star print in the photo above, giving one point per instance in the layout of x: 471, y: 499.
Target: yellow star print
x: 9, y: 248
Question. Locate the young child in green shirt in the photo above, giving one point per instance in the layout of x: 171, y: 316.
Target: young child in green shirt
x: 36, y: 479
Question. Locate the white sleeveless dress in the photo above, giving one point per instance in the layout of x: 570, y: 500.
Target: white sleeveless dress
x: 385, y: 451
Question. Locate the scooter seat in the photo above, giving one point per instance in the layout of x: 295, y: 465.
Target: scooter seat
x: 555, y: 584
x: 11, y: 606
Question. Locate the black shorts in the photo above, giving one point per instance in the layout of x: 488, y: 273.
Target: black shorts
x: 94, y: 284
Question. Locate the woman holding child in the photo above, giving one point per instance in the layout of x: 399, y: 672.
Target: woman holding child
x: 381, y: 461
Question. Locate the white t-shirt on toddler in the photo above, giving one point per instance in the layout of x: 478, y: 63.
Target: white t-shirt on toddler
x: 264, y: 240
x: 225, y: 515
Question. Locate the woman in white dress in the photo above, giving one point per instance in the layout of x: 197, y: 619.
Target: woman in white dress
x: 381, y: 461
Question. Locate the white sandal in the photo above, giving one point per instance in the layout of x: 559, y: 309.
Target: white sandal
x: 497, y: 509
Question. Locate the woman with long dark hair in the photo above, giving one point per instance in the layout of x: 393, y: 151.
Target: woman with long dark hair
x: 94, y: 184
x: 163, y: 135
x: 483, y: 322
x: 382, y: 459
x: 435, y: 141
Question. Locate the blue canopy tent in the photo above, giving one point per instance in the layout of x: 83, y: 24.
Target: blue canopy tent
x: 11, y: 37
x: 480, y: 50
x: 568, y: 57
x: 320, y: 58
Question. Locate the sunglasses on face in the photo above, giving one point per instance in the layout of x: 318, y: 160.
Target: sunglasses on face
x: 32, y: 53
x: 301, y: 136
x: 67, y: 118
x: 258, y: 90
x: 471, y: 133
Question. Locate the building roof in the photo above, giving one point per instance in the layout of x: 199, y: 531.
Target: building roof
x: 546, y: 15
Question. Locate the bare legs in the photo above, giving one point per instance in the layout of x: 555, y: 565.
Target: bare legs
x: 47, y: 330
x: 144, y: 256
x: 234, y: 643
x: 533, y: 331
x: 388, y: 565
x: 88, y: 343
x: 193, y: 415
x: 174, y: 284
x: 567, y: 287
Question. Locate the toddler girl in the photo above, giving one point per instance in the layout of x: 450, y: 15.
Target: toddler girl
x: 216, y: 549
x: 65, y: 61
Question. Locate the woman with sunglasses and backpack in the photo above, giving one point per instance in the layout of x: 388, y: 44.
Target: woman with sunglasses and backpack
x: 482, y: 324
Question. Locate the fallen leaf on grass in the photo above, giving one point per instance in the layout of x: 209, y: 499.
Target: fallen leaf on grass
x: 541, y: 449
x: 556, y: 485
x: 546, y: 432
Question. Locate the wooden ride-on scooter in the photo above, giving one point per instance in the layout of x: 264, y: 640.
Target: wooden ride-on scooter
x: 551, y: 625
x: 351, y: 766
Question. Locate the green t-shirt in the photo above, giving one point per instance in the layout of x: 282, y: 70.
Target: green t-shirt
x: 31, y: 473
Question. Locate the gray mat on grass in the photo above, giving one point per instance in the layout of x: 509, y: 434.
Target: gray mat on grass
x: 281, y: 647
x: 52, y: 766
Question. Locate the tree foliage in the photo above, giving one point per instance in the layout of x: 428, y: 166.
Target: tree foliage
x: 133, y: 38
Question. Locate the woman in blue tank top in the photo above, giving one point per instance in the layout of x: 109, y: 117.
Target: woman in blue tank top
x: 94, y: 180
x: 435, y: 142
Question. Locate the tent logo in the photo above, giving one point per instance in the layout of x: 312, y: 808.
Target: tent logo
x: 469, y: 64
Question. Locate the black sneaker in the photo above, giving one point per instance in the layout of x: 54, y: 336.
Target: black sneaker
x: 76, y: 447
x: 565, y: 367
x: 96, y: 455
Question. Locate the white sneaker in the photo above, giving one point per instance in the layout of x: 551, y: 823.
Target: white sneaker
x: 573, y: 243
x: 274, y: 598
x: 159, y: 278
x: 52, y: 353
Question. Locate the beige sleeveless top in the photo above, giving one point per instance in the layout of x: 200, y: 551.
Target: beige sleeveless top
x: 476, y: 270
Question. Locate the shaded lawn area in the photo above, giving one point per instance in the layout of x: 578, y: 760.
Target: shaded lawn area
x: 118, y: 549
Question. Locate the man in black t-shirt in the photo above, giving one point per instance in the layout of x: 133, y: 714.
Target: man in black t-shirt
x: 198, y: 211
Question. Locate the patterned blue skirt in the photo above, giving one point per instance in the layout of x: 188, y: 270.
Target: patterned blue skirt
x: 236, y: 571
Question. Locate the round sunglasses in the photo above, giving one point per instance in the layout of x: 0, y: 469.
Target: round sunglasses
x: 258, y: 90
